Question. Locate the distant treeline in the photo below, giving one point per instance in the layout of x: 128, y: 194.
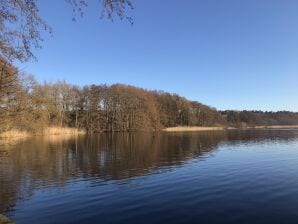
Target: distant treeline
x: 259, y: 118
x: 31, y: 106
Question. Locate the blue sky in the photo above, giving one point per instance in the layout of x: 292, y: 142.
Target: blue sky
x: 233, y: 54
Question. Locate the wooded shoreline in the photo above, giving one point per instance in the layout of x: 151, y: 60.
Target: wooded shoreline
x: 201, y: 129
x: 29, y: 107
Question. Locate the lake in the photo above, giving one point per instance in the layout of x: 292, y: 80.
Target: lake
x: 209, y: 177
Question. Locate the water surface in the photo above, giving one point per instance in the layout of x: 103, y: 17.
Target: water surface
x: 212, y: 177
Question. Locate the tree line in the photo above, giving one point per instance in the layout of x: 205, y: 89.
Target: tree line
x: 28, y: 105
x: 259, y: 118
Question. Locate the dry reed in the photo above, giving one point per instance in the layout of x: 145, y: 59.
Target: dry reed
x: 61, y: 131
x: 15, y: 134
x: 192, y: 128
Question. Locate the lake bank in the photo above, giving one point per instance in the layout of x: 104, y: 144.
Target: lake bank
x: 14, y: 134
x: 49, y: 131
x: 275, y: 127
x: 197, y: 128
x: 192, y: 128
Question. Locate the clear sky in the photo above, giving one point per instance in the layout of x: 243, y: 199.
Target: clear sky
x: 233, y: 54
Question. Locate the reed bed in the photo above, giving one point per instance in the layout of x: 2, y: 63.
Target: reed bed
x: 193, y: 128
x: 61, y: 131
x: 15, y: 134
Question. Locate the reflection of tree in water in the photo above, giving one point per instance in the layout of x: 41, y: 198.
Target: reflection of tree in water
x: 40, y: 163
x: 119, y: 156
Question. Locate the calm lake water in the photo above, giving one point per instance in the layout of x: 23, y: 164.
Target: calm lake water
x: 220, y: 177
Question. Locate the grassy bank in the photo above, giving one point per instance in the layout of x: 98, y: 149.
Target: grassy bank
x: 17, y: 134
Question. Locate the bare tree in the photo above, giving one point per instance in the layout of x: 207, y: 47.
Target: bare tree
x: 22, y: 29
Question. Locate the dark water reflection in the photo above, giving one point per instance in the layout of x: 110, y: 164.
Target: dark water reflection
x: 220, y: 177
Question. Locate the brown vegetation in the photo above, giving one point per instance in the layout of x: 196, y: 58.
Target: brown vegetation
x: 29, y: 107
x: 60, y: 131
x: 14, y: 134
x: 186, y: 129
x: 50, y: 133
x: 242, y: 119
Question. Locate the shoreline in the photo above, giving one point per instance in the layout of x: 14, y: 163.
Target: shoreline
x: 200, y: 129
x: 192, y: 129
x: 49, y: 131
x: 52, y: 131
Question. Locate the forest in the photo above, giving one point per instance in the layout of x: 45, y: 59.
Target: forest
x: 27, y: 105
x: 259, y: 118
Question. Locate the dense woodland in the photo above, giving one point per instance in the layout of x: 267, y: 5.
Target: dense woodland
x: 31, y: 106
